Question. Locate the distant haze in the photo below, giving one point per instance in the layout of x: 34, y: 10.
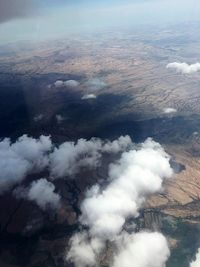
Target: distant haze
x: 37, y: 20
x: 12, y: 9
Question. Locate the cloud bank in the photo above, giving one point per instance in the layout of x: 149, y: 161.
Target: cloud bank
x: 184, y: 68
x: 138, y: 173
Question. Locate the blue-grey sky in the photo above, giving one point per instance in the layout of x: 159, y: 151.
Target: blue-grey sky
x: 41, y: 19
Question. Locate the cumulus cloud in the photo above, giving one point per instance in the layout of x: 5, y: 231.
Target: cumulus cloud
x: 83, y: 249
x: 69, y: 157
x: 28, y: 155
x: 184, y: 68
x: 169, y: 110
x: 142, y: 250
x: 138, y: 173
x: 41, y: 192
x: 117, y: 145
x: 59, y: 83
x: 196, y: 262
x: 88, y: 96
x: 11, y: 9
x: 68, y: 83
x: 20, y: 158
x: 71, y: 83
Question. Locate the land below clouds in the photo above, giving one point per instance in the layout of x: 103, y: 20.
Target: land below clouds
x: 131, y: 93
x: 104, y: 118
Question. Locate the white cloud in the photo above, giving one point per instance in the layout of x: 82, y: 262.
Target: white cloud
x: 196, y: 262
x: 83, y: 250
x: 67, y: 83
x: 28, y: 155
x: 22, y: 157
x: 41, y: 192
x: 71, y: 83
x: 142, y: 250
x: 69, y: 157
x: 59, y: 83
x: 184, y: 68
x: 169, y: 110
x: 120, y: 144
x: 138, y: 173
x: 88, y: 96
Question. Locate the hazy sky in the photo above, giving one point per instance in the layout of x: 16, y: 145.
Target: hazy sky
x: 37, y: 20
